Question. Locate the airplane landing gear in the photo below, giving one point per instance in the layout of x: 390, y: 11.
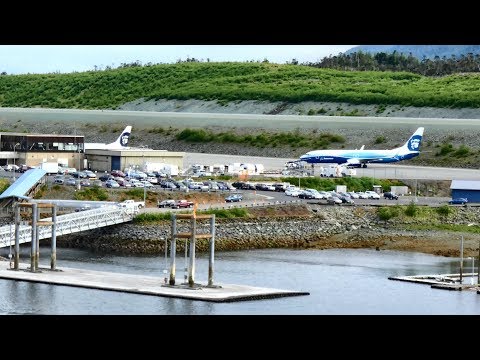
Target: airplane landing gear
x: 364, y: 165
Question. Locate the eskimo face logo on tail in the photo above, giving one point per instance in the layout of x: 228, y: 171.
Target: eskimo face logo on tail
x: 124, y: 138
x: 414, y: 143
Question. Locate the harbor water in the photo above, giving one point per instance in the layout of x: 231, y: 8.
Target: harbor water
x: 340, y: 282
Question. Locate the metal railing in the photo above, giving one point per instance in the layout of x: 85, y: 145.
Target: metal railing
x: 70, y: 223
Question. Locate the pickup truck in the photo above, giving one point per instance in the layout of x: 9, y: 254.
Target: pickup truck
x: 128, y: 203
x: 182, y: 204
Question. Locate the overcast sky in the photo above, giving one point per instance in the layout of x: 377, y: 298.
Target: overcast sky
x: 23, y: 59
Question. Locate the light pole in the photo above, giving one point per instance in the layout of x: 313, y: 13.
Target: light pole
x: 14, y: 154
x: 144, y: 182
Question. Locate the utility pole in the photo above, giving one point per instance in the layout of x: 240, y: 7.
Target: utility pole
x: 14, y: 155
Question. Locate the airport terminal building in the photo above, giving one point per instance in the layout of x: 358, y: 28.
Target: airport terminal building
x: 69, y: 150
x: 33, y: 149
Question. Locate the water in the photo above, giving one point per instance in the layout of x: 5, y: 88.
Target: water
x: 340, y: 281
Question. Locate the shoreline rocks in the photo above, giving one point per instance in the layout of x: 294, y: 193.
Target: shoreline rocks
x: 332, y: 227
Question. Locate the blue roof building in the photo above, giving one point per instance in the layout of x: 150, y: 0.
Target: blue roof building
x: 469, y: 189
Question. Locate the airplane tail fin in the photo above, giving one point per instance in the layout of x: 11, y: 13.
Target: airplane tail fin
x: 413, y: 143
x: 122, y: 140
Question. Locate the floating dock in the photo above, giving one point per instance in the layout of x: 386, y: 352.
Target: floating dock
x: 140, y: 284
x: 441, y: 281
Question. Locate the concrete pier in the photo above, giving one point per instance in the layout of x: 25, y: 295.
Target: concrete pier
x: 139, y: 284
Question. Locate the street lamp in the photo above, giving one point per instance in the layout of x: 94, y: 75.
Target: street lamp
x: 14, y: 154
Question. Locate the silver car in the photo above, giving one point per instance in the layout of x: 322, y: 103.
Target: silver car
x: 334, y: 200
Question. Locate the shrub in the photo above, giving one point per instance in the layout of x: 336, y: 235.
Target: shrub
x: 388, y: 212
x: 411, y: 209
x: 93, y: 194
x: 462, y: 151
x: 381, y: 108
x: 445, y: 149
x: 152, y: 217
x: 227, y: 213
x: 444, y: 210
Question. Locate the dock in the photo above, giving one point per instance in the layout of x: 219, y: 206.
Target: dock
x: 440, y: 281
x: 140, y: 284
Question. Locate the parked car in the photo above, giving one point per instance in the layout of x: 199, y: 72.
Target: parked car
x: 234, y: 198
x: 90, y: 174
x: 305, y: 195
x: 346, y: 199
x: 105, y: 177
x: 390, y: 195
x: 118, y: 173
x: 85, y: 182
x: 460, y: 201
x: 372, y: 195
x: 83, y: 208
x: 71, y: 181
x: 165, y: 203
x: 182, y: 204
x: 334, y: 200
x: 112, y: 184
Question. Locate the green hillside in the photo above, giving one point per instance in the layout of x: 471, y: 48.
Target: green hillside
x: 109, y: 89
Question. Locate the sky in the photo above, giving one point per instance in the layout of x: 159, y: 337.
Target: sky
x: 39, y: 59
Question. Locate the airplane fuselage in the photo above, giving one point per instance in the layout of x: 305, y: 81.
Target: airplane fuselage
x: 361, y: 156
x: 344, y: 156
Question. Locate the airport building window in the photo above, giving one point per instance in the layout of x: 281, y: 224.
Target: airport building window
x: 38, y: 143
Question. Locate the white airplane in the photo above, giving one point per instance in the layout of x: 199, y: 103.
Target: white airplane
x: 362, y: 157
x: 119, y: 144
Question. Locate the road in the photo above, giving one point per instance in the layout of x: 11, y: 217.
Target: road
x: 261, y: 198
x: 280, y: 122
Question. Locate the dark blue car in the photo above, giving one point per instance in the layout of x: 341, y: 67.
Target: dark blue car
x: 459, y: 201
x: 233, y: 198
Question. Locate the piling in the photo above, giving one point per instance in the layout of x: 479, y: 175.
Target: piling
x: 212, y: 251
x: 36, y: 210
x: 53, y: 254
x: 173, y: 249
x: 189, y: 279
x: 33, y: 250
x: 461, y: 261
x: 17, y: 237
x: 35, y: 238
x: 191, y: 267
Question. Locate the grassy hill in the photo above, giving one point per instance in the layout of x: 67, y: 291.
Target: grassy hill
x: 224, y: 82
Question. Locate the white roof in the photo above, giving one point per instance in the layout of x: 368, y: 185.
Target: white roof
x: 465, y: 185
